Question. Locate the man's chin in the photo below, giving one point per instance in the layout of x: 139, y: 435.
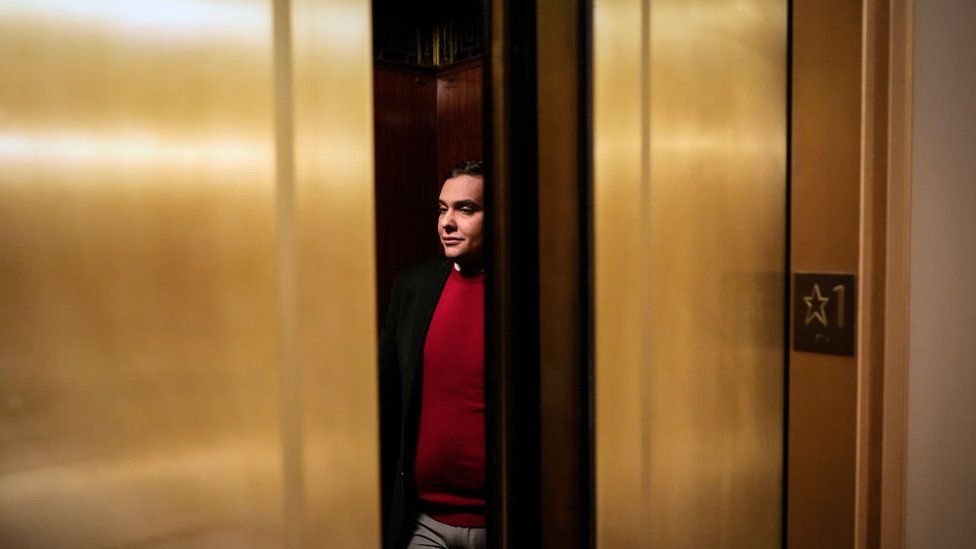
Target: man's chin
x: 452, y: 254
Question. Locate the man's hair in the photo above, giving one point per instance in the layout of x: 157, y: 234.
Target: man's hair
x: 474, y: 168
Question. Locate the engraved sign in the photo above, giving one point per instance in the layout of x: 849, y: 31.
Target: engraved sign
x: 823, y: 313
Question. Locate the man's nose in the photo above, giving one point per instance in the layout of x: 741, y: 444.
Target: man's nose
x: 447, y: 221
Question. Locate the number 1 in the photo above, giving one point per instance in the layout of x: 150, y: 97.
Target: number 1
x: 839, y: 290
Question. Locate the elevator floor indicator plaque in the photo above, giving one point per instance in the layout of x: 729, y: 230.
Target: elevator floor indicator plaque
x: 823, y: 313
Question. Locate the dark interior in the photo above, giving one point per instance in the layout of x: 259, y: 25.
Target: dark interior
x: 427, y: 86
x: 427, y: 90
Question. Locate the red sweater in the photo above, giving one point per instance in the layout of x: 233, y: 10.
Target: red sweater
x: 450, y: 460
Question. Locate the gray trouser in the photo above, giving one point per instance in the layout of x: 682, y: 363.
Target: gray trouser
x: 430, y: 533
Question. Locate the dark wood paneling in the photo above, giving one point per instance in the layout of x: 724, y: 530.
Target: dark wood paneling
x: 458, y: 115
x: 407, y: 182
x: 405, y: 103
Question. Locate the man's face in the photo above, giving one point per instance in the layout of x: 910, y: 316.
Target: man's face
x: 460, y: 222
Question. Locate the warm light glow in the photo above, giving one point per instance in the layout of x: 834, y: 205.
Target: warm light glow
x: 135, y: 149
x: 342, y: 27
x: 152, y: 20
x: 694, y: 141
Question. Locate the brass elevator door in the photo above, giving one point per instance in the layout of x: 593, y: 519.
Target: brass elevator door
x: 690, y: 231
x: 178, y: 316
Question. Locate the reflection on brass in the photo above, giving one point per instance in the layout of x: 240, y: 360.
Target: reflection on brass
x: 335, y: 271
x: 140, y: 382
x: 689, y: 230
x: 620, y: 244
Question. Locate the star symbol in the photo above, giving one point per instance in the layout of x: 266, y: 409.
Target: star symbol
x: 820, y: 314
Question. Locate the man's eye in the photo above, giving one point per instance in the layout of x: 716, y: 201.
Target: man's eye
x: 468, y: 211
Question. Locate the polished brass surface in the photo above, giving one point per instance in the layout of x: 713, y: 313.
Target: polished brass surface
x: 141, y: 332
x: 335, y: 272
x: 690, y: 199
x: 620, y: 255
x: 563, y: 286
x: 826, y: 237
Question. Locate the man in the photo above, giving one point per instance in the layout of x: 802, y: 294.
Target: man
x: 432, y: 377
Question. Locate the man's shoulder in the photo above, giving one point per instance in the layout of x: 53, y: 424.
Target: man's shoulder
x: 426, y: 272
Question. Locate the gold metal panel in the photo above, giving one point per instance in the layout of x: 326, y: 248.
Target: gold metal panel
x: 826, y: 236
x: 335, y: 271
x: 137, y: 329
x: 187, y: 341
x: 561, y: 301
x: 620, y: 246
x: 690, y: 243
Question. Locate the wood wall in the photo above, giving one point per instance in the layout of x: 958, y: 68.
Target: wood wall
x: 458, y: 115
x: 426, y: 121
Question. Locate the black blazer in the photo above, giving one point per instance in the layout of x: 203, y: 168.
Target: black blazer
x: 412, y: 303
